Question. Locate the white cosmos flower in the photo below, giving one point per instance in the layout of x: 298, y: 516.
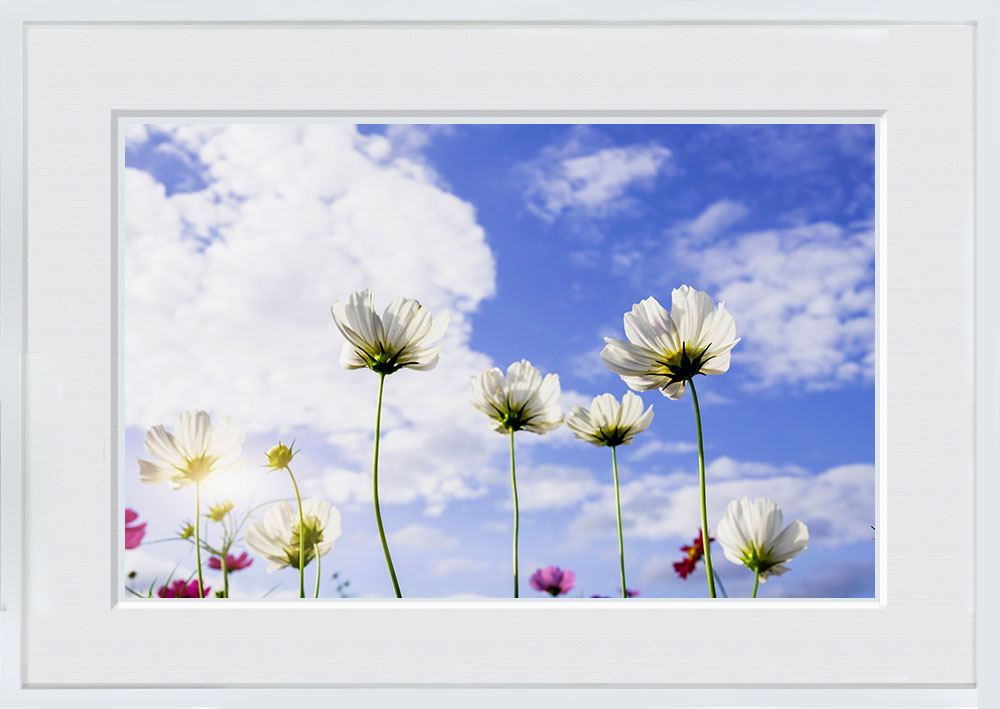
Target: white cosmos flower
x: 664, y: 349
x: 751, y: 535
x: 522, y: 400
x: 402, y: 337
x: 194, y: 451
x: 276, y: 537
x: 609, y: 423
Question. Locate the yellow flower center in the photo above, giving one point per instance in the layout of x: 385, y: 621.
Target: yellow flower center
x: 198, y: 468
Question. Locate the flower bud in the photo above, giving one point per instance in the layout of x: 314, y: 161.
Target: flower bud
x: 219, y: 511
x: 280, y: 456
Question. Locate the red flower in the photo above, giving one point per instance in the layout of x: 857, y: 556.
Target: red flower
x: 134, y: 533
x: 178, y: 589
x: 233, y: 563
x: 694, y: 552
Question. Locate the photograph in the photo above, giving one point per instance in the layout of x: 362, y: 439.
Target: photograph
x: 550, y: 361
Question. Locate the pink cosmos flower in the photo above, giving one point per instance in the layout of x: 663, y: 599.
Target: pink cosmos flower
x: 135, y: 533
x: 553, y: 580
x: 233, y: 563
x: 178, y: 589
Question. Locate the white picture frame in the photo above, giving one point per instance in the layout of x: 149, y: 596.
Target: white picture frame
x: 925, y: 72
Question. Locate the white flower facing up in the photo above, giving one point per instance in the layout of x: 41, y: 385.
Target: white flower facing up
x: 403, y: 336
x: 276, y: 536
x: 609, y: 423
x: 666, y: 349
x: 193, y: 452
x: 521, y: 401
x: 190, y: 455
x: 750, y: 534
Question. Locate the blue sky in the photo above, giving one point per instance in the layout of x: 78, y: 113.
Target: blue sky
x: 537, y: 238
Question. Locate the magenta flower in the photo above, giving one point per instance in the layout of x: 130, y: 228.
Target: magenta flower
x: 553, y: 580
x: 233, y: 563
x: 135, y: 533
x: 179, y: 589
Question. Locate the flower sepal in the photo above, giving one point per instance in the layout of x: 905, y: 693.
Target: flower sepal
x: 687, y: 366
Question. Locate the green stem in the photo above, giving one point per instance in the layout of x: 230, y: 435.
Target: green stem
x: 197, y: 535
x: 756, y: 580
x: 316, y: 549
x: 225, y: 575
x: 513, y: 484
x: 302, y: 538
x: 704, y: 505
x: 378, y: 511
x: 618, y: 502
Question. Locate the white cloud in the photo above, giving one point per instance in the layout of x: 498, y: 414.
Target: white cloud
x: 135, y: 134
x: 544, y: 487
x: 152, y: 571
x: 422, y: 537
x: 837, y: 505
x: 660, y: 569
x: 455, y: 565
x: 803, y: 298
x: 589, y: 365
x: 579, y: 175
x: 651, y: 447
x: 726, y: 468
x: 411, y: 139
x: 228, y: 291
x: 716, y: 218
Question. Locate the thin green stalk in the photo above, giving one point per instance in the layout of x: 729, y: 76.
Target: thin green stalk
x: 316, y: 549
x: 197, y: 535
x: 704, y: 505
x: 756, y: 580
x: 618, y: 502
x: 225, y: 575
x: 302, y: 537
x: 513, y: 484
x: 378, y: 511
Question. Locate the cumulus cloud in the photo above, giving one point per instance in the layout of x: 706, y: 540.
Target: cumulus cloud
x: 588, y: 365
x: 152, y: 571
x: 135, y: 134
x: 579, y: 175
x: 457, y: 565
x: 543, y: 487
x: 228, y: 290
x: 803, y: 298
x: 726, y: 468
x: 654, y: 447
x: 423, y: 537
x: 837, y: 504
x: 716, y: 218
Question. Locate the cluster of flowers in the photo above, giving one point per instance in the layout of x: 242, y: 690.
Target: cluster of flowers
x: 664, y: 350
